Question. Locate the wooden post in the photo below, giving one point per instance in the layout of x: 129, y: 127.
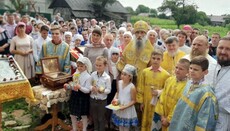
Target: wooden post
x: 0, y: 117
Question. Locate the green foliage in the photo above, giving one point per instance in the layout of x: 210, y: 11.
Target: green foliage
x: 130, y: 10
x: 142, y: 9
x: 163, y: 16
x: 227, y: 20
x: 17, y: 5
x: 10, y: 106
x: 184, y: 13
x: 228, y: 26
x: 145, y: 9
x: 203, y: 19
x: 171, y: 24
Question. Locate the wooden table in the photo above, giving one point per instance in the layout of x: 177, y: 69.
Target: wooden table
x: 54, y: 121
x: 46, y: 99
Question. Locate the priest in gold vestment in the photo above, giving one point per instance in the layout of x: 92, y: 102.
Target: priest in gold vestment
x: 172, y: 55
x: 137, y: 53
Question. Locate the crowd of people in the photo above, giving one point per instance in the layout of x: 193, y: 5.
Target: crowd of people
x: 162, y: 79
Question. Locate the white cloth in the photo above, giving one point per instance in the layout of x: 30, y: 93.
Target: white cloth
x: 38, y: 47
x: 46, y: 98
x: 114, y: 70
x: 185, y: 49
x: 211, y: 68
x: 222, y: 92
x: 101, y: 81
x: 110, y: 50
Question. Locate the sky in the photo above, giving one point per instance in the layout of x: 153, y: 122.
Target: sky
x: 210, y: 7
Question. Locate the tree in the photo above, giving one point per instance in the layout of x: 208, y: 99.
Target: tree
x: 99, y: 5
x: 153, y: 12
x: 130, y: 10
x: 163, y: 16
x: 226, y: 19
x: 17, y: 5
x: 180, y: 11
x: 32, y: 4
x: 142, y: 9
x: 202, y: 18
x: 21, y: 5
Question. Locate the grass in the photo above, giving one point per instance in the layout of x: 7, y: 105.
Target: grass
x: 171, y: 24
x: 10, y: 106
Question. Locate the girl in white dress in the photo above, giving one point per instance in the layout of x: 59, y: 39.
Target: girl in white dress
x: 126, y: 116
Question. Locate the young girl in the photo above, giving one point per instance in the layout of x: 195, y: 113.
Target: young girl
x: 79, y: 99
x: 101, y: 87
x: 126, y: 116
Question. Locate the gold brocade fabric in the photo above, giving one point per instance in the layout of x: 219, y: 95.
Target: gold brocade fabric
x: 15, y: 90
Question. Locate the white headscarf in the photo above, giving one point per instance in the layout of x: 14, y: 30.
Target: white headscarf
x: 78, y: 36
x: 130, y: 70
x: 86, y: 62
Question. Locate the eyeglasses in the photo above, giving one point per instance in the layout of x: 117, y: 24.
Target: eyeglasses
x: 85, y: 29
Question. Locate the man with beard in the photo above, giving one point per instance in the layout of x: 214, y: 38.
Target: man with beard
x: 200, y: 47
x: 221, y: 83
x: 172, y: 54
x: 137, y: 53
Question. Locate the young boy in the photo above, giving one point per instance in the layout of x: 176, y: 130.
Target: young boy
x: 197, y: 108
x: 152, y: 83
x: 101, y: 87
x: 172, y: 92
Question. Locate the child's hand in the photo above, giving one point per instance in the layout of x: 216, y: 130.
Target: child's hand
x: 115, y: 102
x: 142, y: 107
x: 154, y: 93
x: 122, y: 107
x: 65, y: 86
x: 94, y: 89
x: 164, y: 121
x: 76, y: 87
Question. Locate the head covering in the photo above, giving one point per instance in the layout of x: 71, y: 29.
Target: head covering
x: 141, y: 26
x: 122, y: 29
x: 85, y: 19
x: 128, y: 33
x: 86, y: 62
x: 21, y: 24
x: 152, y: 31
x: 114, y: 50
x: 68, y: 33
x: 187, y: 27
x: 94, y: 20
x: 78, y: 36
x: 130, y: 70
x: 97, y: 31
